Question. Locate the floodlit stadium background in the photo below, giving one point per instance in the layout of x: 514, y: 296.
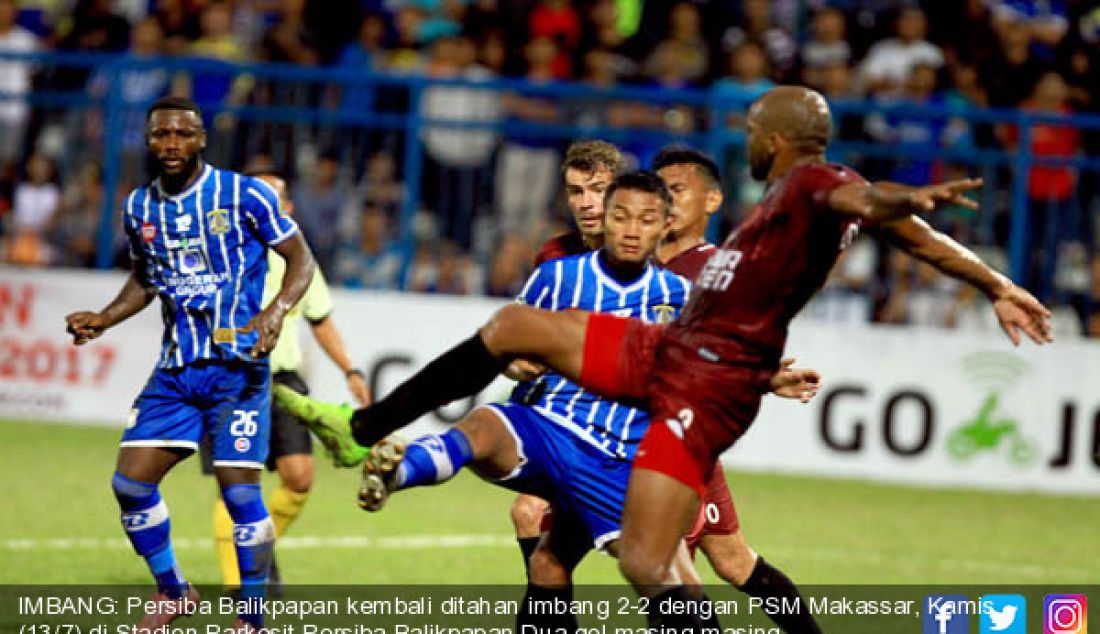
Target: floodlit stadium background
x: 422, y: 149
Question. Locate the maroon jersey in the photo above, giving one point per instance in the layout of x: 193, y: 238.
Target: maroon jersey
x: 565, y: 245
x: 766, y: 271
x: 690, y: 262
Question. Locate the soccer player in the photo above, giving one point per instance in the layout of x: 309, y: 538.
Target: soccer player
x: 587, y: 171
x: 198, y: 239
x: 291, y: 452
x: 702, y: 378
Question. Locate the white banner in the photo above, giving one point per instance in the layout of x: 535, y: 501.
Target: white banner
x: 899, y: 404
x: 42, y: 375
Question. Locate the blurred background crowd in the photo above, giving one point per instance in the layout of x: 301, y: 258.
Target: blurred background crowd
x: 487, y: 196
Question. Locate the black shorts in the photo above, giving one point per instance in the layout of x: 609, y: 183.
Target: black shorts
x: 288, y: 436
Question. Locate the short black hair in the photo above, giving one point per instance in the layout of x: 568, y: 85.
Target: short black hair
x: 683, y: 155
x: 641, y: 181
x: 174, y: 103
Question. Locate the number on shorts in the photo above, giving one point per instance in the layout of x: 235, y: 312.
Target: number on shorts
x: 244, y: 423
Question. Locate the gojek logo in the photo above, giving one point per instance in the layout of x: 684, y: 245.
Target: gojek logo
x: 992, y: 373
x: 1003, y: 614
x: 947, y: 614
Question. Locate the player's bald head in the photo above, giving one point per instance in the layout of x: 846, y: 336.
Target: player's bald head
x: 798, y: 114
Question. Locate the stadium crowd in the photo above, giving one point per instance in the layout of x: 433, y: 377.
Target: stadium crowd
x: 489, y: 199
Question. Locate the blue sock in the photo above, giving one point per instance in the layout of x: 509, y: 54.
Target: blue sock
x: 145, y: 518
x: 254, y: 534
x: 433, y: 459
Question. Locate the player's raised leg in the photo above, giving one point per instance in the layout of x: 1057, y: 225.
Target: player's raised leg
x: 554, y: 338
x: 480, y: 440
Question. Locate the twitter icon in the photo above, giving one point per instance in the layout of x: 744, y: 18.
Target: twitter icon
x: 1002, y: 614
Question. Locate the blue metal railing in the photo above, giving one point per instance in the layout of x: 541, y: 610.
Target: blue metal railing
x: 709, y: 108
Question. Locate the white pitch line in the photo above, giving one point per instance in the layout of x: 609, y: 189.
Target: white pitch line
x: 291, y: 542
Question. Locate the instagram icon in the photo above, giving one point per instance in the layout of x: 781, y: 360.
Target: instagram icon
x: 1065, y: 614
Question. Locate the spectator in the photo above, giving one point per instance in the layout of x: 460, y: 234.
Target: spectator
x: 212, y: 89
x: 685, y: 38
x: 36, y: 203
x: 135, y: 87
x: 288, y: 40
x: 1045, y: 20
x: 1010, y: 72
x: 759, y: 26
x: 890, y: 62
x: 15, y: 81
x: 375, y: 261
x: 557, y: 20
x: 827, y: 46
x: 748, y: 74
x: 179, y: 23
x: 320, y: 203
x: 73, y: 234
x: 453, y: 273
x: 381, y: 185
x: 457, y: 158
x: 911, y: 132
x: 526, y: 175
x: 1050, y: 188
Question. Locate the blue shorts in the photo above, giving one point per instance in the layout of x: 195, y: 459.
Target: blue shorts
x: 230, y: 400
x: 559, y: 466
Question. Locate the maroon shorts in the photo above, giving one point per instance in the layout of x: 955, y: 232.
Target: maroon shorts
x: 699, y: 406
x: 618, y: 357
x: 717, y: 514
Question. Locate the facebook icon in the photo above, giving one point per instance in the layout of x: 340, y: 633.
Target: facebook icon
x: 946, y: 614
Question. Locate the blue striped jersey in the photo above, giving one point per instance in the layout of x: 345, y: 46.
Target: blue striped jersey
x: 205, y: 252
x: 582, y: 282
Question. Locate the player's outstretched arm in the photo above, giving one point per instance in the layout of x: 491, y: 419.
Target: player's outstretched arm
x: 884, y: 202
x: 299, y: 271
x: 328, y: 337
x: 800, y: 383
x: 86, y: 325
x: 1017, y: 310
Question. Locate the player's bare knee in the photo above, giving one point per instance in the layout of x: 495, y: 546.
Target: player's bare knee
x: 496, y: 333
x: 527, y: 512
x: 643, y: 569
x: 733, y: 560
x: 298, y: 477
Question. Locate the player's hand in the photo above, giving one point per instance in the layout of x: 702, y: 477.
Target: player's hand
x: 932, y: 197
x: 357, y: 385
x: 799, y: 383
x: 524, y: 370
x: 85, y: 326
x: 268, y: 323
x: 1018, y: 310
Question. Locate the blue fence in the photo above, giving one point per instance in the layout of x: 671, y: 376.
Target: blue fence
x: 285, y: 105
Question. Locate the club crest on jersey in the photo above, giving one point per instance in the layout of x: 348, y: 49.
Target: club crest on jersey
x: 218, y: 221
x: 148, y: 231
x: 663, y: 314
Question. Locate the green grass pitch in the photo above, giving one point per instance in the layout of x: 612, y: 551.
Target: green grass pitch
x: 61, y: 526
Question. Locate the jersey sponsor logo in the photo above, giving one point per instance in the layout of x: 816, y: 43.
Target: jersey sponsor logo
x: 191, y: 262
x: 183, y: 224
x: 719, y: 270
x: 664, y: 314
x: 148, y: 231
x: 218, y: 221
x: 224, y: 335
x: 131, y: 420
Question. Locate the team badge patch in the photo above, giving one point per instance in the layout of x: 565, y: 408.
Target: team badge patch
x: 218, y: 221
x: 664, y: 314
x: 148, y: 231
x: 241, y: 444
